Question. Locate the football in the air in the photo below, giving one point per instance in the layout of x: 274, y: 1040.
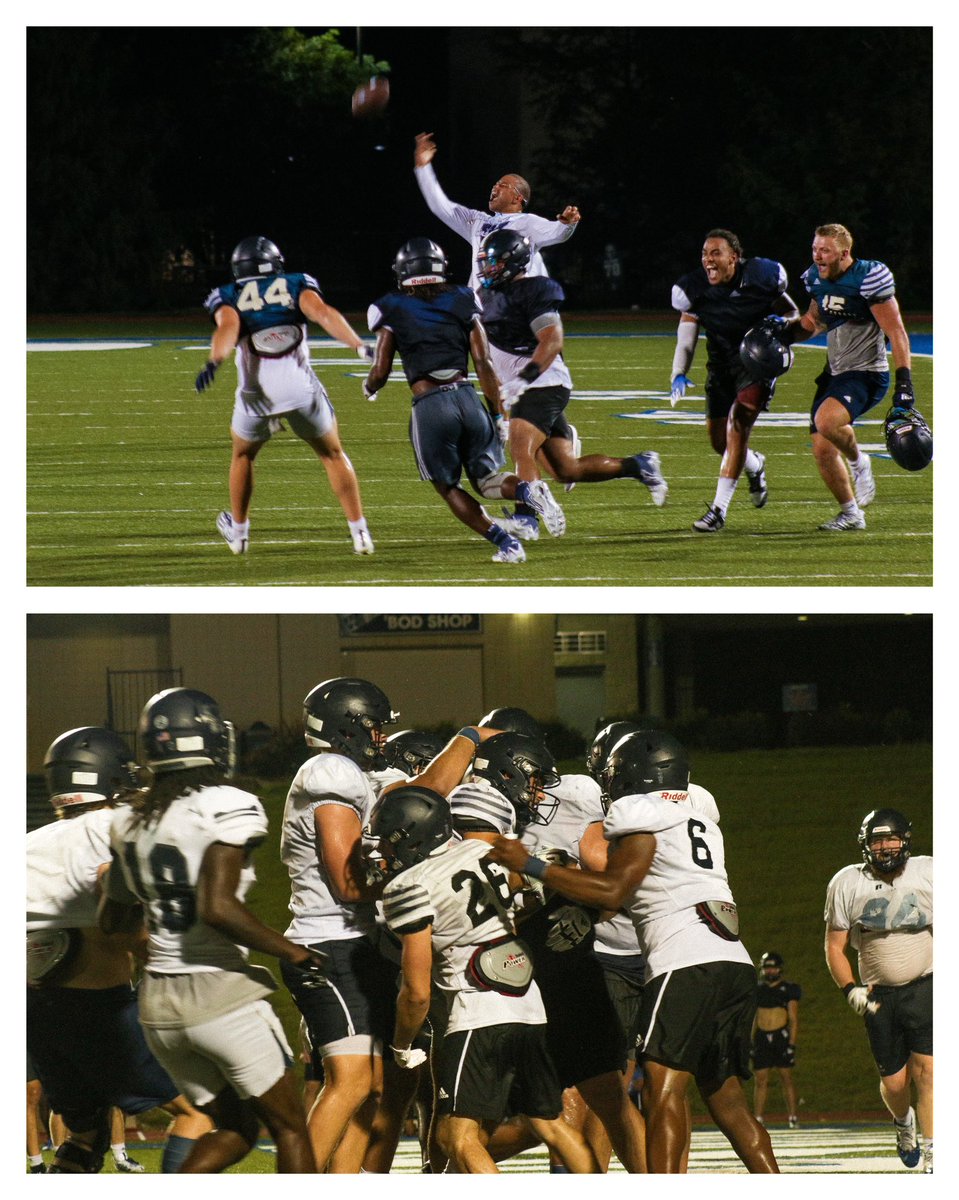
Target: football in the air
x: 371, y: 98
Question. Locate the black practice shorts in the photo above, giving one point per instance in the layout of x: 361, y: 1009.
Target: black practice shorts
x: 583, y: 1032
x: 544, y: 407
x: 725, y: 379
x: 902, y: 1026
x: 484, y: 1073
x: 771, y: 1049
x: 625, y: 988
x: 699, y: 1019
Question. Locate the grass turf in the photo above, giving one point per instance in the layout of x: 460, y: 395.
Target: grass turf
x: 127, y: 469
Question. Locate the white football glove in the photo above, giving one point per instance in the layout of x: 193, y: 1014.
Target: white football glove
x: 511, y: 391
x: 367, y: 393
x: 859, y: 1001
x: 408, y: 1058
x: 363, y: 351
x: 502, y: 429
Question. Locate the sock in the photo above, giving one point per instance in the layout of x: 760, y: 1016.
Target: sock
x: 242, y: 528
x: 498, y: 536
x: 358, y: 526
x: 753, y: 462
x: 850, y: 508
x: 175, y: 1153
x: 629, y: 468
x: 37, y: 1159
x: 902, y: 1122
x: 724, y: 493
x: 119, y: 1151
x: 557, y: 1169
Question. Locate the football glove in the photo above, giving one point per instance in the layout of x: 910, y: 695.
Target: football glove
x: 678, y: 389
x: 502, y: 429
x: 205, y: 377
x: 408, y: 1058
x: 511, y: 391
x: 363, y: 351
x: 370, y: 395
x: 903, y: 397
x: 859, y: 1002
x: 568, y: 926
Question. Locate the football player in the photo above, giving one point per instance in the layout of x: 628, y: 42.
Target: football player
x: 727, y: 295
x: 263, y: 316
x: 775, y: 1030
x: 435, y: 328
x: 881, y: 908
x: 854, y: 301
x: 183, y: 854
x: 83, y: 1032
x: 508, y: 201
x: 699, y: 998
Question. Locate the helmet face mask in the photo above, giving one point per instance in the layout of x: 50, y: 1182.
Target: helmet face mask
x: 908, y: 439
x: 87, y: 767
x: 256, y: 256
x: 503, y: 255
x: 643, y: 762
x: 771, y: 962
x: 181, y: 728
x: 885, y: 824
x: 420, y: 261
x: 346, y: 715
x: 408, y: 824
x: 521, y: 769
x: 411, y: 750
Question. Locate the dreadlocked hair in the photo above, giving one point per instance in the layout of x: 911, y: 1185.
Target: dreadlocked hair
x: 168, y: 786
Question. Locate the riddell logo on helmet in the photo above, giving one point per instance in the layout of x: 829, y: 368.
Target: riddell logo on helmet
x: 674, y: 795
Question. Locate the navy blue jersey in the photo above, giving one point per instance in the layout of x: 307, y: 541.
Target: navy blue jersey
x: 265, y: 302
x: 512, y: 314
x: 432, y: 334
x: 726, y: 311
x: 777, y: 995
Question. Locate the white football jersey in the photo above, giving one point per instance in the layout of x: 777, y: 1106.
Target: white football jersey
x: 318, y: 916
x: 580, y: 805
x: 63, y: 859
x: 479, y: 799
x: 688, y: 868
x: 889, y: 921
x: 466, y: 899
x: 161, y: 865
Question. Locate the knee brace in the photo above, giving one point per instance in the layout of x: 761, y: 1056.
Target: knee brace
x: 490, y: 487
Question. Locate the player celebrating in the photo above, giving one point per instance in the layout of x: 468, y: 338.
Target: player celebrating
x: 263, y: 315
x: 727, y: 295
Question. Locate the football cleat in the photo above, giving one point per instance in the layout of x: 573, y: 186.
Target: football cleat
x: 577, y: 453
x: 129, y: 1166
x: 758, y: 492
x: 362, y: 542
x: 540, y: 499
x: 793, y: 1122
x: 907, y: 1142
x: 511, y: 552
x: 38, y: 1169
x: 651, y: 475
x: 711, y: 521
x: 237, y: 543
x: 844, y: 521
x: 519, y: 526
x: 862, y: 481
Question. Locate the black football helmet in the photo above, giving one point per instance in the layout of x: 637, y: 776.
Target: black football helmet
x: 347, y: 715
x: 647, y: 761
x: 519, y: 767
x: 182, y: 727
x: 503, y: 255
x: 411, y: 749
x: 413, y: 822
x: 891, y: 822
x: 908, y: 439
x: 420, y: 260
x: 256, y: 256
x: 512, y: 720
x: 604, y: 741
x: 763, y: 355
x: 772, y: 959
x: 89, y: 765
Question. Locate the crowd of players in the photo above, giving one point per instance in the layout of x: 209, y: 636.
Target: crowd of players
x: 507, y: 321
x: 471, y: 934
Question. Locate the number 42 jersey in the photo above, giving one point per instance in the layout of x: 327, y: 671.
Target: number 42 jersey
x: 161, y: 863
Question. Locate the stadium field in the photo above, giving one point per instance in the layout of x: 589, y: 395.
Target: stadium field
x: 127, y: 469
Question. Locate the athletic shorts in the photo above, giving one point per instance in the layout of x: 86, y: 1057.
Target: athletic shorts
x: 255, y: 418
x: 625, y: 988
x: 354, y: 1014
x: 725, y: 379
x: 902, y: 1026
x: 451, y: 431
x: 545, y: 407
x: 483, y: 1073
x: 770, y: 1049
x: 699, y: 1019
x: 583, y: 1032
x: 856, y: 391
x: 245, y: 1049
x: 89, y: 1053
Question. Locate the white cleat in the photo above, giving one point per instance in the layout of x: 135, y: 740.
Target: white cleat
x: 541, y: 501
x: 862, y: 481
x: 577, y: 453
x: 237, y: 543
x: 512, y: 552
x: 362, y: 542
x: 844, y: 521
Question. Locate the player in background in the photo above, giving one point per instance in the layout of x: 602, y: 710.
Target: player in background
x: 181, y: 859
x: 854, y: 301
x: 881, y: 909
x: 520, y: 313
x: 508, y: 201
x: 263, y: 316
x: 775, y: 1031
x: 727, y: 295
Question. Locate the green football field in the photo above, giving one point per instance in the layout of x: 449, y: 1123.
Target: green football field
x: 127, y: 469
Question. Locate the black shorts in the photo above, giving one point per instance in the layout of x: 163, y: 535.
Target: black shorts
x: 725, y: 379
x: 699, y: 1019
x: 483, y: 1073
x: 856, y: 391
x: 902, y: 1026
x: 544, y: 407
x: 583, y: 1032
x: 625, y: 988
x: 770, y: 1048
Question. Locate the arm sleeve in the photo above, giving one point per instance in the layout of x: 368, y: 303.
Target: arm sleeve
x: 686, y: 336
x: 459, y: 218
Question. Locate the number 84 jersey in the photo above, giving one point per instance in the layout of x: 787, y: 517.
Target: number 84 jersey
x: 161, y: 863
x: 688, y: 868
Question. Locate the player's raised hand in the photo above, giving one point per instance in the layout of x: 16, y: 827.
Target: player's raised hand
x: 569, y: 215
x: 425, y: 149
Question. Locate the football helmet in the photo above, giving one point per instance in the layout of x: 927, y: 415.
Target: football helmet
x: 512, y: 720
x: 604, y: 741
x: 409, y: 823
x: 891, y: 823
x: 411, y: 749
x: 763, y: 355
x: 502, y: 256
x: 181, y: 728
x: 256, y: 256
x: 771, y: 959
x: 347, y: 715
x: 89, y: 765
x: 908, y: 439
x: 519, y: 767
x: 647, y: 761
x: 420, y: 260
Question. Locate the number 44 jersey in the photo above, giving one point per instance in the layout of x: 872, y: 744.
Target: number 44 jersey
x: 161, y: 862
x: 688, y: 868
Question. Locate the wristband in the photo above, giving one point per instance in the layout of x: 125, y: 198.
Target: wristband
x: 530, y: 372
x: 535, y: 868
x: 467, y: 732
x: 903, y: 375
x: 847, y: 989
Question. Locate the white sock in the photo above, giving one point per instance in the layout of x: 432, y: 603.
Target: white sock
x: 724, y: 493
x: 358, y: 526
x: 753, y: 461
x: 119, y: 1151
x: 242, y: 528
x: 37, y: 1159
x: 851, y: 508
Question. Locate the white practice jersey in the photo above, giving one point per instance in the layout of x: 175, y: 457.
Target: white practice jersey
x: 889, y: 921
x: 466, y: 899
x: 63, y: 859
x: 161, y: 865
x: 481, y: 801
x: 688, y: 868
x: 318, y: 916
x: 383, y: 779
x: 580, y: 805
x: 474, y: 225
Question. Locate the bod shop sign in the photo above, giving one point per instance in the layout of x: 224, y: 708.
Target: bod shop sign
x: 360, y: 624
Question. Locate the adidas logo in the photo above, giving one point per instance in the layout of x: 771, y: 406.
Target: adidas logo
x: 443, y: 1094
